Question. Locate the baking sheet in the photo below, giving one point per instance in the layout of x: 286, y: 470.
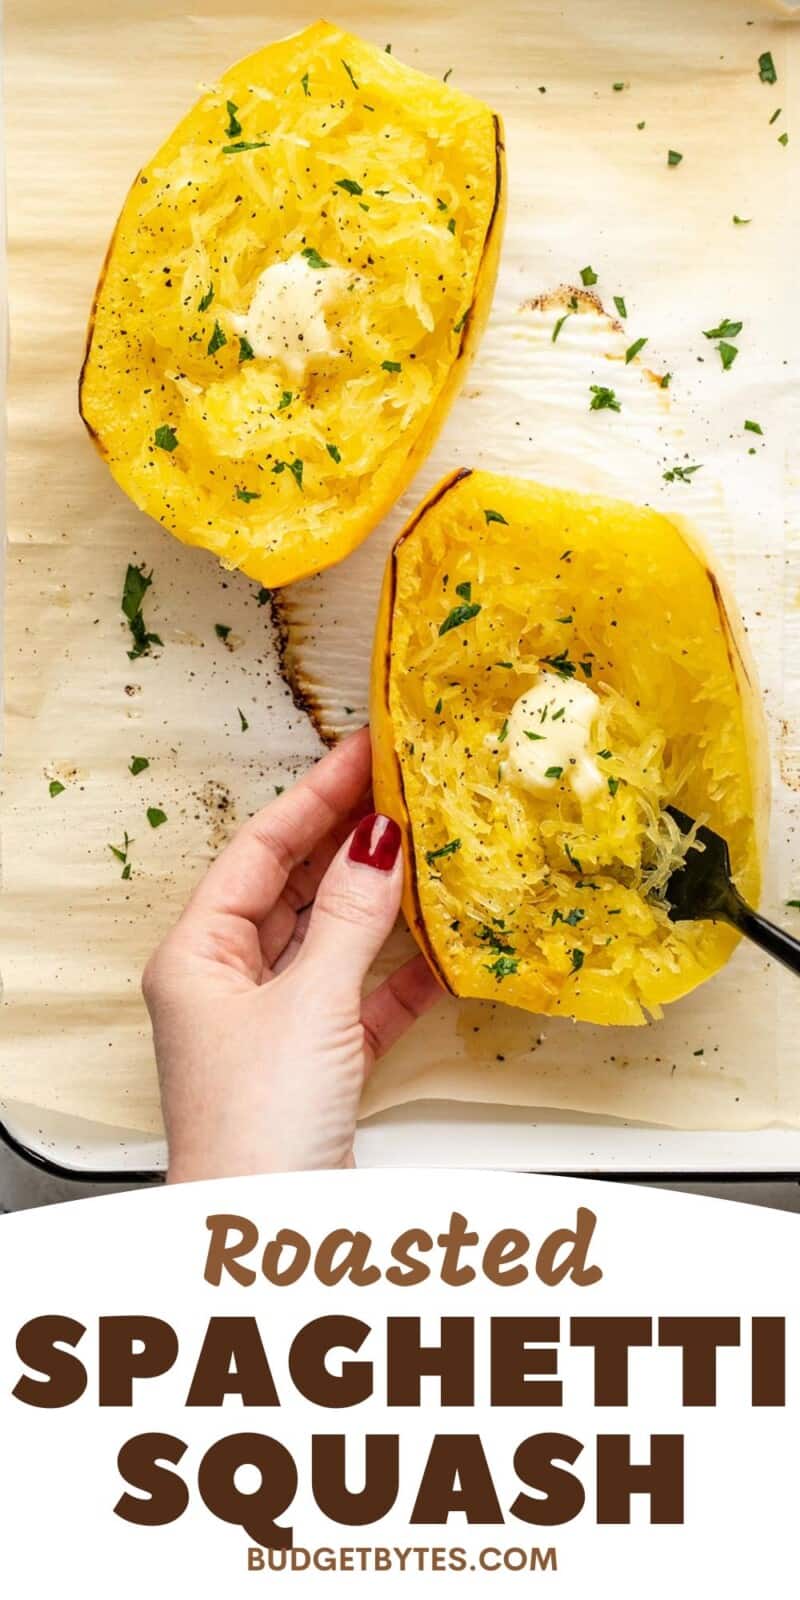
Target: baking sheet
x: 91, y: 91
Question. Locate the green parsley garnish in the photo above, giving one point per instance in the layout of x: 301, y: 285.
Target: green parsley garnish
x: 617, y: 86
x: 217, y: 340
x: 334, y: 452
x: 438, y: 706
x: 564, y: 619
x: 559, y: 325
x: 674, y: 158
x: 304, y: 81
x: 156, y: 816
x: 727, y: 354
x: 246, y: 351
x: 349, y: 184
x: 633, y: 350
x: 446, y: 75
x: 221, y: 630
x: 620, y: 305
x: 560, y: 664
x: 204, y: 304
x: 295, y: 467
x: 120, y: 853
x: 349, y: 72
x: 665, y: 382
x: 457, y: 326
x: 603, y: 399
x: 137, y: 583
x: 554, y: 772
x: 314, y: 259
x: 766, y: 68
x: 234, y: 127
x: 577, y: 960
x: 244, y: 144
x: 247, y: 495
x: 263, y: 596
x: 285, y: 399
x: 775, y: 116
x: 54, y: 788
x: 494, y: 516
x: 613, y: 785
x: 681, y: 474
x: 753, y: 427
x: 571, y: 919
x: 138, y: 764
x: 725, y: 330
x: 604, y: 755
x: 640, y: 125
x: 503, y: 967
x: 391, y: 366
x: 741, y: 222
x: 464, y: 590
x: 571, y: 858
x: 794, y: 905
x: 529, y: 735
x: 783, y: 138
x: 503, y: 734
x: 588, y: 276
x: 243, y: 720
x: 165, y: 437
x: 448, y: 849
x: 451, y: 226
x: 458, y: 616
x: 557, y: 715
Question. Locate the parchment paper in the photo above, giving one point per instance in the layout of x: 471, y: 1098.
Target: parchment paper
x: 92, y: 89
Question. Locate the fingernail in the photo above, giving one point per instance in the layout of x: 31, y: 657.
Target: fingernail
x: 375, y: 842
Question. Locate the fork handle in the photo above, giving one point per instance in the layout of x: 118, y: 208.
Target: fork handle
x: 783, y: 946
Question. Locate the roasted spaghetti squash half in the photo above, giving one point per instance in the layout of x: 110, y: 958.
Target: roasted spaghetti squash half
x: 551, y: 672
x: 289, y: 300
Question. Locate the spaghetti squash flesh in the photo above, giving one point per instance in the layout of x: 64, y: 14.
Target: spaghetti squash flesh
x: 549, y: 895
x: 294, y: 284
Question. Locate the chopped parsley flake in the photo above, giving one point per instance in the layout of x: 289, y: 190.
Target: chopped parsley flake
x: 349, y: 72
x: 304, y: 81
x: 246, y: 351
x: 221, y: 630
x: 766, y: 68
x: 247, y: 495
x: 391, y: 366
x: 554, y: 772
x: 54, y: 788
x: 503, y: 734
x: 559, y: 325
x: 741, y: 222
x: 458, y: 616
x: 243, y: 720
x: 120, y: 853
x: 217, y: 340
x: 794, y: 905
x: 156, y: 816
x: 438, y: 707
x: 138, y: 764
x: 234, y: 127
x: 314, y: 259
x: 727, y: 354
x: 503, y: 967
x: 565, y: 619
x: 603, y: 399
x: 457, y: 326
x: 604, y: 755
x: 641, y: 125
x: 674, y: 158
x: 681, y: 474
x: 783, y: 138
x: 725, y: 330
x: 588, y: 276
x: 529, y: 735
x: 560, y: 664
x: 204, y: 304
x: 349, y: 184
x: 464, y: 590
x: 753, y: 427
x: 448, y: 849
x: 137, y: 583
x: 620, y: 305
x: 263, y: 596
x: 613, y: 785
x: 244, y: 144
x: 617, y: 86
x: 775, y: 116
x: 446, y: 75
x: 577, y: 960
x: 572, y: 858
x: 285, y: 399
x: 295, y: 467
x: 334, y: 452
x: 633, y: 350
x: 165, y: 437
x: 494, y: 516
x: 451, y: 226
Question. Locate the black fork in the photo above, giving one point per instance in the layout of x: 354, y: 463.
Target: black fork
x: 701, y: 890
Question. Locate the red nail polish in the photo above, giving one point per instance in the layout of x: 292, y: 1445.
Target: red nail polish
x: 375, y: 842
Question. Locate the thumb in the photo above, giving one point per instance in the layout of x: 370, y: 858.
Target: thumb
x: 356, y: 904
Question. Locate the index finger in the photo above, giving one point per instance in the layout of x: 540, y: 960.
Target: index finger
x: 249, y: 875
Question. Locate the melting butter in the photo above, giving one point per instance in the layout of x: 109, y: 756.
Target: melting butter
x: 549, y: 738
x: 286, y: 317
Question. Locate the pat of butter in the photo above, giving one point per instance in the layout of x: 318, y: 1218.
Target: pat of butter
x: 286, y: 317
x: 549, y: 738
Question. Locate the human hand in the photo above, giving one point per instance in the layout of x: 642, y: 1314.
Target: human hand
x: 262, y: 1037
